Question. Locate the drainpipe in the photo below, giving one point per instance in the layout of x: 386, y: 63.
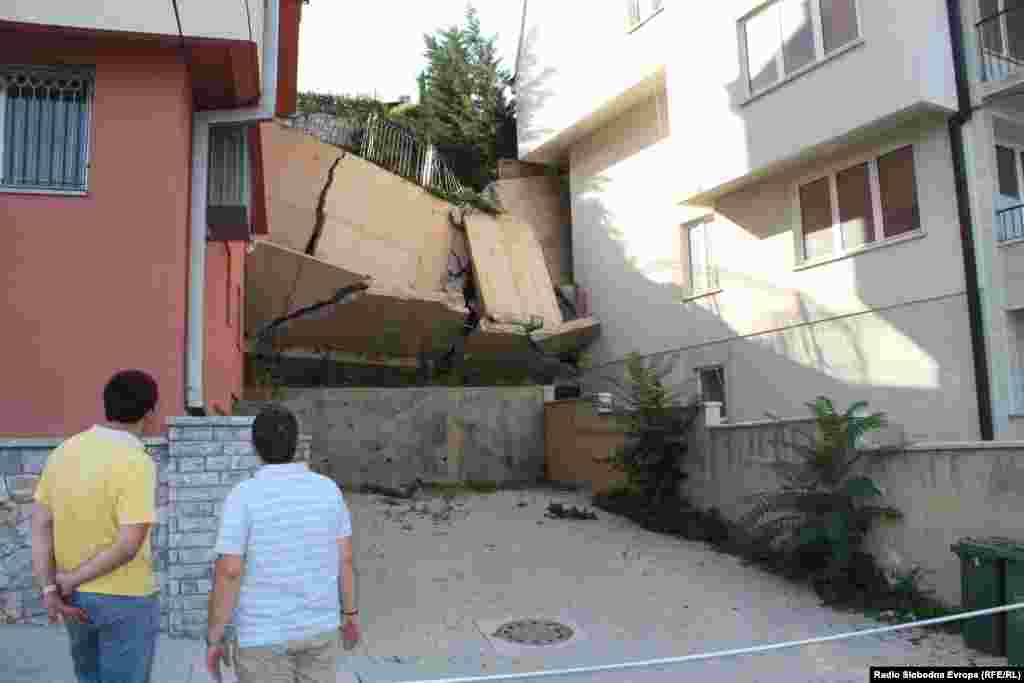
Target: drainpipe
x: 201, y: 122
x: 956, y: 138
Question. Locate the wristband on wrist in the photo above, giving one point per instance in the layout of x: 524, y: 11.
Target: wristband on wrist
x: 350, y: 614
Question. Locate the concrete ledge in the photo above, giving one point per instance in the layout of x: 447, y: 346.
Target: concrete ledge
x: 211, y: 421
x: 762, y: 423
x: 964, y: 445
x: 6, y: 444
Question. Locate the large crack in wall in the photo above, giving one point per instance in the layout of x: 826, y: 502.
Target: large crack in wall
x: 321, y: 215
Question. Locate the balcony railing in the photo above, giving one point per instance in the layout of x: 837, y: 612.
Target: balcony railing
x: 1010, y: 223
x: 1017, y: 391
x: 1001, y: 42
x: 386, y: 144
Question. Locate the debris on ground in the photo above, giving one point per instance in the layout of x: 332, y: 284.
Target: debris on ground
x: 405, y: 492
x: 559, y: 511
x: 438, y: 510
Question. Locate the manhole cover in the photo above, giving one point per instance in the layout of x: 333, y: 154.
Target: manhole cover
x: 534, y: 632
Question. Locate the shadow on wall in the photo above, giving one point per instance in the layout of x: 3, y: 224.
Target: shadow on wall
x: 530, y: 91
x: 835, y: 356
x: 934, y: 322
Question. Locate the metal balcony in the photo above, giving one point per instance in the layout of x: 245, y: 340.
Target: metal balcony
x: 1010, y: 223
x: 1001, y: 42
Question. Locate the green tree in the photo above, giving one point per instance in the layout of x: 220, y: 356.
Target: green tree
x: 464, y: 106
x: 357, y: 107
x: 658, y: 426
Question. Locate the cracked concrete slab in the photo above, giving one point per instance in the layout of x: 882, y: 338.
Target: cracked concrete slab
x: 388, y: 320
x: 353, y: 213
x: 498, y: 339
x: 510, y: 270
x: 280, y: 279
x: 335, y: 218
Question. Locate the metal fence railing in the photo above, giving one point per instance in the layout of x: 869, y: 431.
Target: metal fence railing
x: 1017, y: 390
x: 387, y: 145
x: 1010, y: 223
x: 1001, y: 42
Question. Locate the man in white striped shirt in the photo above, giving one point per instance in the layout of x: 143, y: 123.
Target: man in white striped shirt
x: 285, y: 557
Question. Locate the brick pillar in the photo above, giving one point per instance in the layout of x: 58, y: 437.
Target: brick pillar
x: 207, y: 456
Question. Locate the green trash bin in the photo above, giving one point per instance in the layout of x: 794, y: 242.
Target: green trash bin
x: 983, y: 585
x: 1015, y: 593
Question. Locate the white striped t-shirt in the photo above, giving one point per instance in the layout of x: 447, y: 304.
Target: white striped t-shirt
x: 286, y: 522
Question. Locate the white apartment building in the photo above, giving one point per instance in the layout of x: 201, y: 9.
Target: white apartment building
x: 796, y: 198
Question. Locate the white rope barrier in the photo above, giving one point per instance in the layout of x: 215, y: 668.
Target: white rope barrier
x: 650, y: 663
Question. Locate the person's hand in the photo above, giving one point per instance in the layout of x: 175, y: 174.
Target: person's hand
x: 66, y: 585
x: 58, y: 611
x: 214, y: 656
x: 350, y: 632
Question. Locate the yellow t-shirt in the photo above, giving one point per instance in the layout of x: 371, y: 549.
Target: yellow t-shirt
x: 93, y: 483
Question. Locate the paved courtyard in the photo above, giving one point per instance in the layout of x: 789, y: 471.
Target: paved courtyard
x: 437, y: 579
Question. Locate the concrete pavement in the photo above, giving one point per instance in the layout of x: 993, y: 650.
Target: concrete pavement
x: 34, y: 654
x: 436, y: 582
x: 41, y: 654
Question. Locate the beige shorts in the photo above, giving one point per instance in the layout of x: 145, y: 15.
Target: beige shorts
x: 313, y: 660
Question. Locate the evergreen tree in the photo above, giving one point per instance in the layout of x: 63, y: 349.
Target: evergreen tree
x: 356, y: 107
x: 464, y: 107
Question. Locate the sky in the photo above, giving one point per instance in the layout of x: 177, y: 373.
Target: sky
x: 359, y: 48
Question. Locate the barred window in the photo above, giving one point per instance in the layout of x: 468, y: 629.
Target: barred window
x: 44, y: 128
x: 230, y: 180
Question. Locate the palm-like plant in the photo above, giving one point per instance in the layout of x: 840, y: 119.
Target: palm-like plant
x: 820, y: 508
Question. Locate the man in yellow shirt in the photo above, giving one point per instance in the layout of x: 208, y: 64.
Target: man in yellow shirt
x: 95, y: 503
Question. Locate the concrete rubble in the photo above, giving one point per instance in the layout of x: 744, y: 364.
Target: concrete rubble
x: 432, y: 268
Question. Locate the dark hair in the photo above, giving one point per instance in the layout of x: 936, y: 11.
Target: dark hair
x: 275, y: 434
x: 129, y: 395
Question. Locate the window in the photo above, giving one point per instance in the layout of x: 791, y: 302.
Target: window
x: 1001, y: 33
x: 700, y: 268
x: 712, y: 385
x: 788, y: 35
x: 230, y: 184
x: 859, y: 205
x: 1009, y: 208
x: 638, y: 11
x: 44, y: 128
x: 1015, y: 320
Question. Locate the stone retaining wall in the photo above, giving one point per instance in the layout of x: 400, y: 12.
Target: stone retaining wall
x: 392, y: 437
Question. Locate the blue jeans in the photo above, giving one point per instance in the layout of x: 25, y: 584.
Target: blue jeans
x: 118, y: 643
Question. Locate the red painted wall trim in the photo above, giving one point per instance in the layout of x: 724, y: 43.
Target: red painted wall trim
x: 163, y: 39
x: 224, y: 72
x: 258, y: 196
x: 288, y: 57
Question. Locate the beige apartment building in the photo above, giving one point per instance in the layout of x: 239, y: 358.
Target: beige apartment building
x: 796, y: 198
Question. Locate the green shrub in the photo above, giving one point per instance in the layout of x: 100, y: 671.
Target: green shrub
x: 820, y: 517
x: 658, y: 429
